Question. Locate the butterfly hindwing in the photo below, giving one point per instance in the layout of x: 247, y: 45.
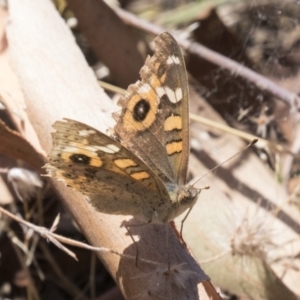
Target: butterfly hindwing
x: 114, y: 179
x: 154, y: 119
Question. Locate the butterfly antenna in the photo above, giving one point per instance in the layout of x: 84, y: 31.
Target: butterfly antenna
x: 254, y: 141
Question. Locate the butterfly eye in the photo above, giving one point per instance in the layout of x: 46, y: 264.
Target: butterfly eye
x: 141, y: 110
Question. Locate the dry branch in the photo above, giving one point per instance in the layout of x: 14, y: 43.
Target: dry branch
x: 58, y: 83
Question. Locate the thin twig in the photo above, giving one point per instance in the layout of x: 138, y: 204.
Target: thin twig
x: 56, y: 239
x: 235, y: 68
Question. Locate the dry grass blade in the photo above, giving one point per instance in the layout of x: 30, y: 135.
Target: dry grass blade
x: 55, y: 224
x: 261, y: 143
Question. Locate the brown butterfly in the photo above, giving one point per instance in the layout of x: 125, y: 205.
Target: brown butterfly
x: 144, y: 174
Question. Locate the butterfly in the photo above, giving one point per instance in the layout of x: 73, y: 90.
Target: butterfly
x: 142, y: 170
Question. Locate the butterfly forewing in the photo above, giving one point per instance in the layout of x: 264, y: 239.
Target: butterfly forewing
x: 114, y: 179
x: 154, y: 119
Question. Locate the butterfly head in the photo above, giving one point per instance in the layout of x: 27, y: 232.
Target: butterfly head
x: 182, y: 197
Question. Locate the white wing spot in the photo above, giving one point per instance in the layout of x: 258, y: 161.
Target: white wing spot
x: 110, y: 148
x: 79, y: 149
x: 174, y: 96
x: 86, y: 132
x: 160, y: 91
x: 70, y: 149
x: 145, y: 88
x: 171, y: 95
x: 90, y: 148
x: 173, y: 60
x: 178, y: 94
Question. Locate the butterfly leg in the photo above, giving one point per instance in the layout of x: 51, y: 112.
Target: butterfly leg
x: 135, y: 243
x: 136, y: 247
x: 183, y: 220
x: 167, y: 245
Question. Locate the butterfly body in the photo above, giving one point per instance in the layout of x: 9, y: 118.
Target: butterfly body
x: 142, y: 171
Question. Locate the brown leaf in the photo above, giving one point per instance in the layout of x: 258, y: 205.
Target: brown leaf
x: 15, y: 146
